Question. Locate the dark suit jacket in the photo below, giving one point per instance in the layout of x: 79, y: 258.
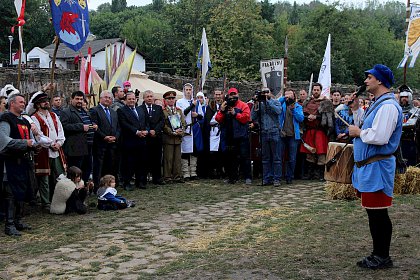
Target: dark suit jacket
x: 76, y: 138
x: 99, y: 117
x: 156, y: 121
x: 130, y: 125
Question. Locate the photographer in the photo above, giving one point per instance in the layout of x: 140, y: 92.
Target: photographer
x: 290, y: 120
x: 233, y: 117
x: 265, y: 113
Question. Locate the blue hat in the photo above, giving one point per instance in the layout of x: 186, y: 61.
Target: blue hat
x: 383, y: 74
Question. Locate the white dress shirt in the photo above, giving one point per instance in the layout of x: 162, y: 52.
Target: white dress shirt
x: 57, y: 137
x: 383, y: 126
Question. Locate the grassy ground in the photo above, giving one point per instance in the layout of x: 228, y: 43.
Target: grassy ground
x: 317, y: 242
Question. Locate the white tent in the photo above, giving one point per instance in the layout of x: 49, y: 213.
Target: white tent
x: 142, y: 82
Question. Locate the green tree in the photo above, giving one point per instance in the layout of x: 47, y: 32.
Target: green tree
x: 267, y: 10
x: 118, y: 5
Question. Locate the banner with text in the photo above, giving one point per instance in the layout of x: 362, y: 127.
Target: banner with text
x: 272, y: 72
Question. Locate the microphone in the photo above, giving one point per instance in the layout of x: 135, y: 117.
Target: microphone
x: 361, y: 90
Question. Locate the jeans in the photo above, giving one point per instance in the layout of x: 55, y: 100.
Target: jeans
x: 291, y: 144
x: 271, y: 160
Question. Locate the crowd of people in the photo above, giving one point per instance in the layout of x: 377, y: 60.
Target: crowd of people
x: 58, y: 154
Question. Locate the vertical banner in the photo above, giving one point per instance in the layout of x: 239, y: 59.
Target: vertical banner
x: 412, y: 42
x: 203, y: 62
x: 324, y: 77
x: 71, y: 22
x: 272, y: 74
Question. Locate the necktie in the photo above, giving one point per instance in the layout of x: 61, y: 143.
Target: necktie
x: 150, y: 110
x: 108, y: 115
x: 135, y: 112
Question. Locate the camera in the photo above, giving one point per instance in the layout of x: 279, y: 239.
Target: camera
x: 260, y: 95
x: 231, y: 100
x: 290, y: 101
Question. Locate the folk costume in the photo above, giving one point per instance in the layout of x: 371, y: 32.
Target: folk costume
x: 375, y: 164
x: 68, y: 198
x: 17, y: 186
x: 411, y: 128
x: 49, y: 164
x: 189, y: 159
x: 316, y: 133
x: 174, y: 119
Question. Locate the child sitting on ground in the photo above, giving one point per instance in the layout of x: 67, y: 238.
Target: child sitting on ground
x: 107, y: 195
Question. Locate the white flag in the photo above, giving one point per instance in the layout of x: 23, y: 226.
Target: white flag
x: 203, y: 62
x: 324, y: 77
x: 412, y: 42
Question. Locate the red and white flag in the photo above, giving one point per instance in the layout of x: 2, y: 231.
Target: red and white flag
x: 20, y: 10
x: 88, y: 80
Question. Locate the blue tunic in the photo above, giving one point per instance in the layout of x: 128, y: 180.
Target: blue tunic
x: 378, y: 175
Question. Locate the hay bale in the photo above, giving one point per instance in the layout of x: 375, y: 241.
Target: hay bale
x: 340, y: 191
x: 399, y: 183
x: 412, y: 180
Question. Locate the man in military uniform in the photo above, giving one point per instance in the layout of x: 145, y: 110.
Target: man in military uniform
x: 173, y: 131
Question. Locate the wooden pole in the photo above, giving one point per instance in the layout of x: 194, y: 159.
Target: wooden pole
x: 57, y: 42
x: 286, y: 62
x: 407, y: 17
x: 20, y: 62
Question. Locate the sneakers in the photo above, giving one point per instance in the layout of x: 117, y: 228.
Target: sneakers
x: 248, y: 182
x: 375, y: 262
x: 276, y: 183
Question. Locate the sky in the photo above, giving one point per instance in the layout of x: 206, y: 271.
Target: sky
x: 93, y: 4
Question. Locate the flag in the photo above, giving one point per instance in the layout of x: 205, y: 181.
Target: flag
x: 114, y: 60
x: 122, y: 53
x: 324, y: 77
x: 88, y: 70
x: 16, y: 56
x: 20, y: 10
x: 71, y: 22
x: 412, y: 41
x: 97, y: 84
x: 123, y: 72
x: 107, y: 74
x: 203, y: 62
x: 82, y: 79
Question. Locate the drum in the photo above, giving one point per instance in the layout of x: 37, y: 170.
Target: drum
x: 339, y: 167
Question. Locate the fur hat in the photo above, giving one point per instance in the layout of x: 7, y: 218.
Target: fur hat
x: 8, y: 90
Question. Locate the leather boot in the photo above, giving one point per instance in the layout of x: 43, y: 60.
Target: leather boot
x: 10, y: 228
x: 321, y: 170
x: 310, y: 171
x: 19, y: 214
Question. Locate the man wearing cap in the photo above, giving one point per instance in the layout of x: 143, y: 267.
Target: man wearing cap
x: 173, y: 130
x: 16, y: 143
x: 374, y: 170
x: 234, y: 116
x: 50, y: 161
x: 127, y: 86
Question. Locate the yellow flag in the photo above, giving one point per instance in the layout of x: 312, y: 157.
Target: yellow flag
x: 123, y: 72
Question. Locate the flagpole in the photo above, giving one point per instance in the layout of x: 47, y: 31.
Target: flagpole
x: 57, y: 42
x: 20, y: 62
x: 407, y: 17
x: 286, y: 60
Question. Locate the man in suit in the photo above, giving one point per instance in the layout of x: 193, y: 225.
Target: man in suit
x: 105, y: 141
x: 79, y: 129
x: 133, y: 132
x: 155, y: 122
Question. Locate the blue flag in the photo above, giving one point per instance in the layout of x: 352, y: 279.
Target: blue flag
x: 71, y: 22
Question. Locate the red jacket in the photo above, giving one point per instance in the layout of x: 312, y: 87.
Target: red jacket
x: 244, y: 117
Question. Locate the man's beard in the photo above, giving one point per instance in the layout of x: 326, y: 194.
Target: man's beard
x: 46, y: 107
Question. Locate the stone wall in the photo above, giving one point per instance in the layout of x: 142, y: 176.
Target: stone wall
x: 68, y: 81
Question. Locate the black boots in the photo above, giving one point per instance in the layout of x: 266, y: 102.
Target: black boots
x: 13, y: 221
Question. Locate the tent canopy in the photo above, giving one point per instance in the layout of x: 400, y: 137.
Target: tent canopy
x: 142, y: 82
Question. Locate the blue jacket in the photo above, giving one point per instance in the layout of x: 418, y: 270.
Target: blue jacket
x: 297, y: 116
x: 270, y: 110
x: 377, y: 175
